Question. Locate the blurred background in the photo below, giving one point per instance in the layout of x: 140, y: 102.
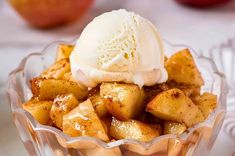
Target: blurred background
x: 29, y: 25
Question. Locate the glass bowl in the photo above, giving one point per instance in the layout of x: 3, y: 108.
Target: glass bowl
x: 49, y: 141
x: 223, y: 55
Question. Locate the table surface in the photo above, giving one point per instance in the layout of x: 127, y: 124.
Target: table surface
x: 200, y: 29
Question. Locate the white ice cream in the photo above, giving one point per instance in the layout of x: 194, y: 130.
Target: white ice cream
x: 119, y: 46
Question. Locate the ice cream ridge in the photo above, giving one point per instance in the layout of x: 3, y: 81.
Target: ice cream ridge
x: 119, y: 46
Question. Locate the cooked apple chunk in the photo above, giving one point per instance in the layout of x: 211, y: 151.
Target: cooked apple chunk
x: 174, y: 128
x: 64, y: 51
x: 97, y: 102
x: 182, y: 69
x: 191, y: 91
x: 62, y: 105
x: 57, y: 70
x: 39, y: 110
x: 173, y: 105
x: 83, y: 121
x: 48, y: 89
x: 207, y: 103
x: 132, y: 129
x: 123, y: 101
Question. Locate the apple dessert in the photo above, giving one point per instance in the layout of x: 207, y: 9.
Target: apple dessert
x: 116, y: 83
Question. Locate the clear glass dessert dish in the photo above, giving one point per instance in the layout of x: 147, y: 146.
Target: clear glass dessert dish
x: 49, y: 141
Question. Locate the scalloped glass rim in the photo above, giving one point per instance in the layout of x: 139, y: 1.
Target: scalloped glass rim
x: 11, y: 90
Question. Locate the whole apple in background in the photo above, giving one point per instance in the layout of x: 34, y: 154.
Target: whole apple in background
x: 50, y: 13
x: 203, y: 3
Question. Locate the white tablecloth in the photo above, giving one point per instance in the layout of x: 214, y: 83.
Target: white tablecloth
x: 198, y: 28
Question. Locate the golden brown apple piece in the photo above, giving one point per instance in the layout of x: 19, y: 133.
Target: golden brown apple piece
x: 48, y: 89
x: 64, y: 51
x: 62, y: 105
x: 99, y: 105
x: 57, y: 70
x: 97, y: 102
x: 182, y: 69
x: 132, y: 129
x: 173, y: 105
x: 39, y: 110
x: 83, y: 121
x: 207, y: 103
x: 192, y: 92
x: 123, y: 101
x: 174, y: 128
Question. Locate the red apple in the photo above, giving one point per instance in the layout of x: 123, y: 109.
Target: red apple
x: 203, y: 3
x: 50, y: 13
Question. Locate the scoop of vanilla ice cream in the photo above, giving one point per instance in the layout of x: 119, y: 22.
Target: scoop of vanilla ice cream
x: 119, y: 46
